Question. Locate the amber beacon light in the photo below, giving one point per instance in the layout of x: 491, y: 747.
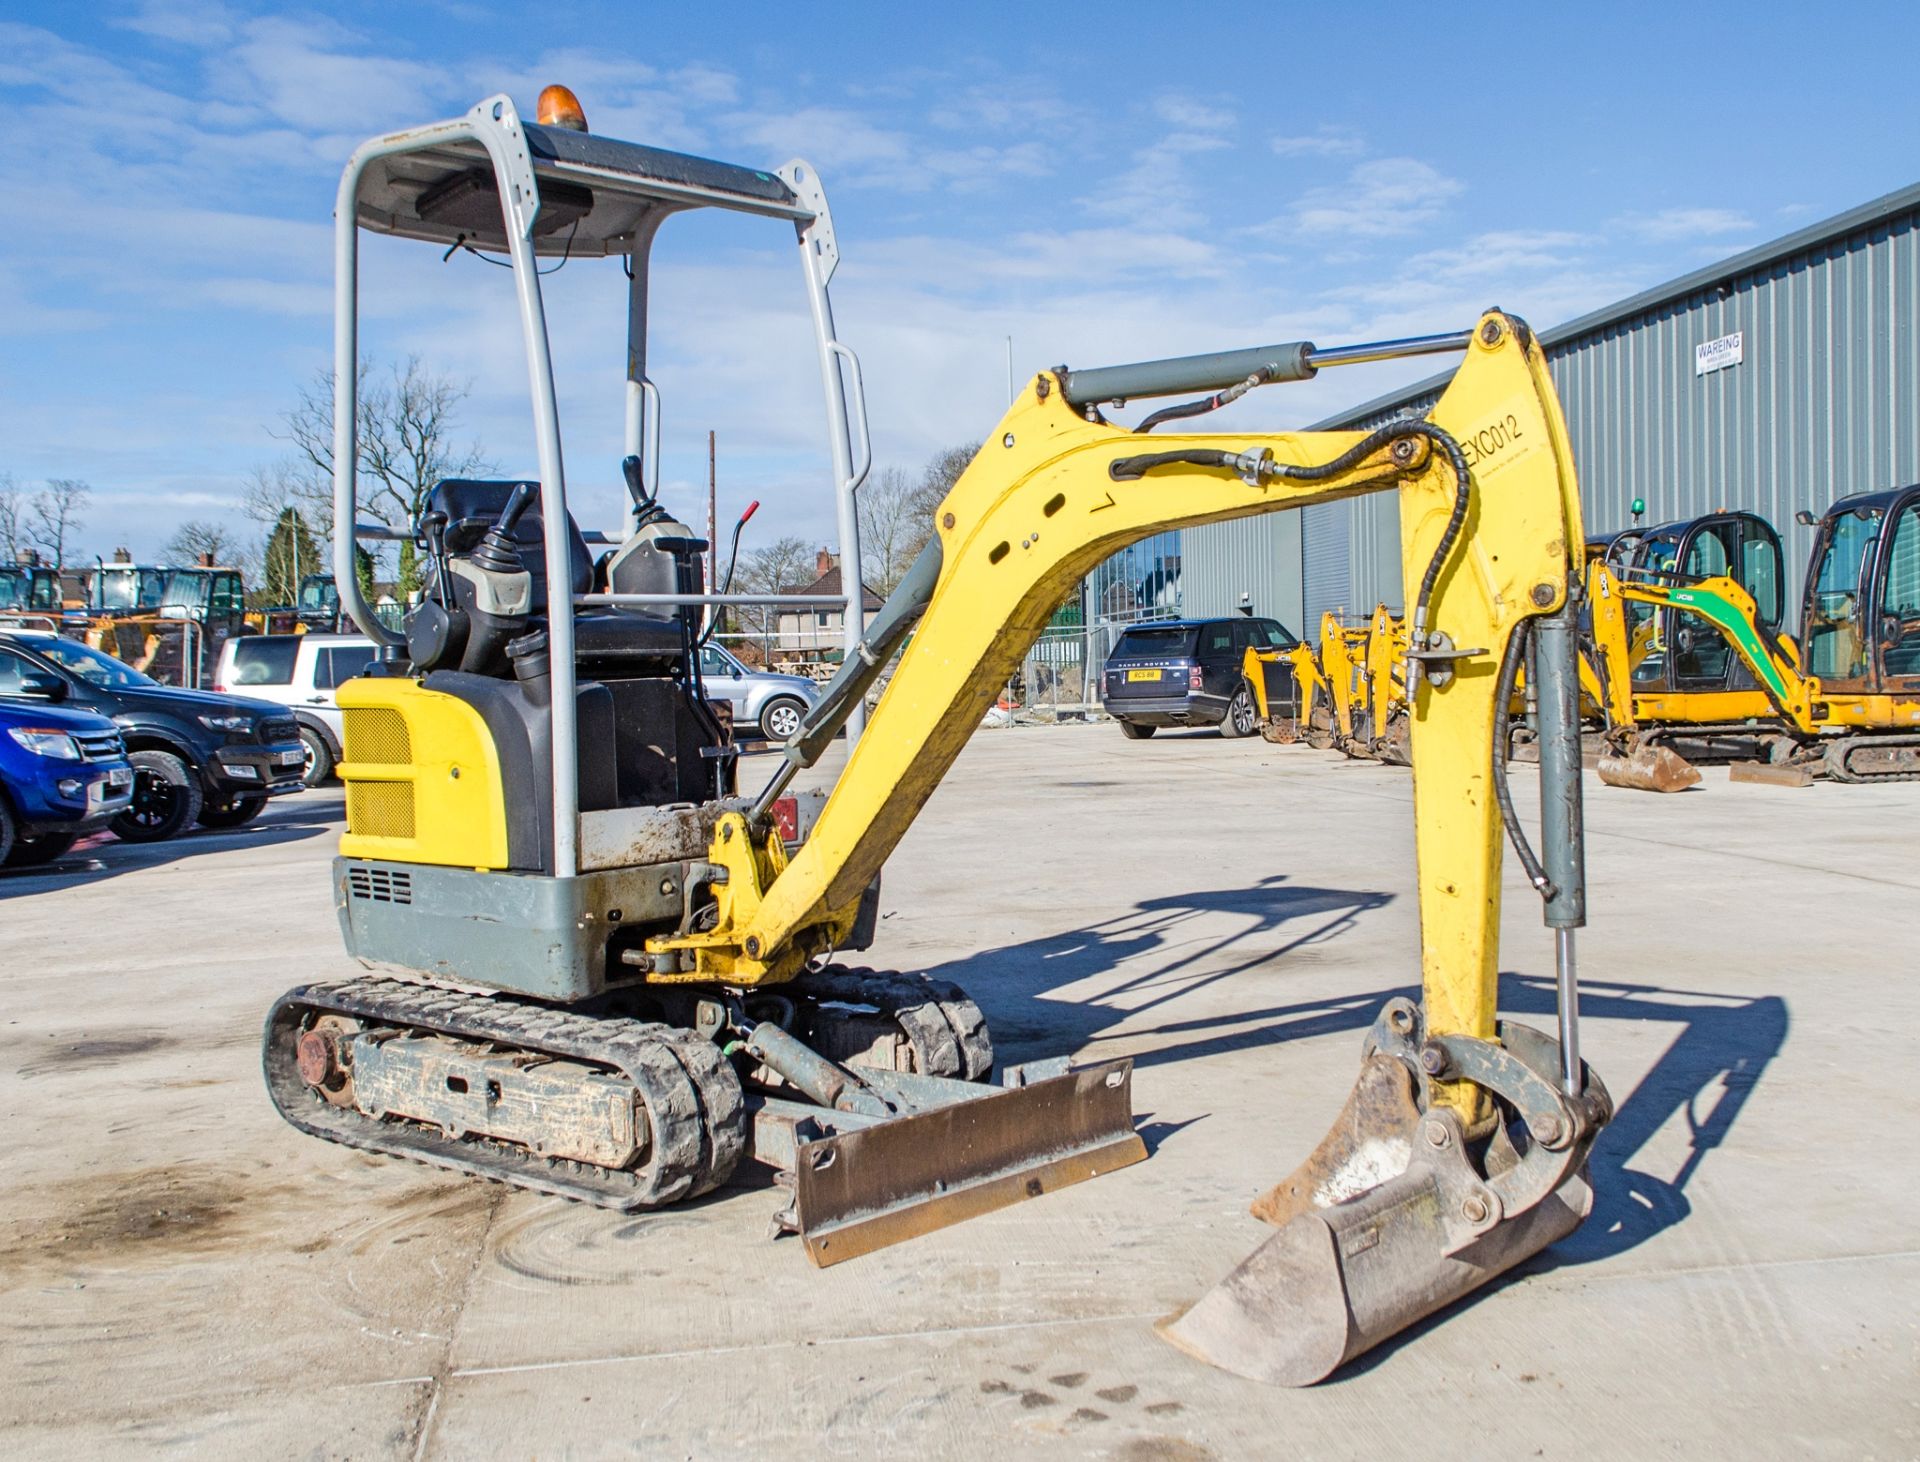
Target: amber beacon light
x: 559, y: 107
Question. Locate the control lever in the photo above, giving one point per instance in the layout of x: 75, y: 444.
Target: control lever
x: 632, y: 470
x: 517, y: 505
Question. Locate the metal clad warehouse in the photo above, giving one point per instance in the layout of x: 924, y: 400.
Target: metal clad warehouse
x: 1778, y: 380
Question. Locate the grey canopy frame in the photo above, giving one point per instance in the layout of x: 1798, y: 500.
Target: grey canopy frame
x: 482, y: 181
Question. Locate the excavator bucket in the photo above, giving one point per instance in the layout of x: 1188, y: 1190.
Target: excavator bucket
x: 1650, y: 769
x: 1400, y: 1211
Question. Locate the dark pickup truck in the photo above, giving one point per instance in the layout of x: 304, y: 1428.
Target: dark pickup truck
x: 196, y: 755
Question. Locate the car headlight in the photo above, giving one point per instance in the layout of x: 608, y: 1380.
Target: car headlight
x: 56, y: 744
x: 227, y: 723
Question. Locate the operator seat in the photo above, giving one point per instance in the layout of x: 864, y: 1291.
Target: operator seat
x: 644, y: 739
x: 612, y: 641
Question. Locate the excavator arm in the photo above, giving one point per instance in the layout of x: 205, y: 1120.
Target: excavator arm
x: 1731, y: 613
x: 1052, y: 494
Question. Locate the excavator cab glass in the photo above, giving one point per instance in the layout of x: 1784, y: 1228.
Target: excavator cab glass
x: 125, y: 589
x: 1836, y: 644
x: 1899, y: 630
x: 1687, y: 655
x: 1657, y: 554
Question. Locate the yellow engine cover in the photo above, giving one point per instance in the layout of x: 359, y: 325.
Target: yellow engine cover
x: 422, y: 777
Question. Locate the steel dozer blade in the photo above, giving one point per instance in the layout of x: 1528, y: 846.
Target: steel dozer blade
x: 1400, y: 1211
x: 949, y: 1151
x: 1650, y: 769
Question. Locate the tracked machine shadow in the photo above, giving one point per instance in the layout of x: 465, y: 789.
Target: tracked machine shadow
x: 594, y: 968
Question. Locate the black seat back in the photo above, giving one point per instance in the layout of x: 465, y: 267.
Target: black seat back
x: 472, y: 505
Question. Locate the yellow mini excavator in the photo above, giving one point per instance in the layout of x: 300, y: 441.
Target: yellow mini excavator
x: 592, y: 969
x: 1684, y: 644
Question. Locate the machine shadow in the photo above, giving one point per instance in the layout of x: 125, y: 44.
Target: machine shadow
x: 99, y: 859
x: 1723, y: 1048
x: 1011, y: 982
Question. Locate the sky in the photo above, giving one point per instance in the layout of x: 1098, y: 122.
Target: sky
x: 1100, y: 185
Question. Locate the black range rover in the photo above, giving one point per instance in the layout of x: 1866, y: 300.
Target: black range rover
x: 197, y: 756
x: 1187, y: 672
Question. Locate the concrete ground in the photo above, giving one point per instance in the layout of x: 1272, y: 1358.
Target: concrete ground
x: 181, y: 1273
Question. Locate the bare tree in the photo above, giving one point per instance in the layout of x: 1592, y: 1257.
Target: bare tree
x: 54, y: 515
x: 13, y: 534
x: 405, y: 427
x: 291, y: 482
x: 894, y: 524
x: 897, y: 511
x: 783, y: 566
x: 197, y: 536
x: 943, y: 470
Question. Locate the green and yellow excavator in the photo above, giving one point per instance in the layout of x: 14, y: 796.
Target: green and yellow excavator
x: 1684, y: 645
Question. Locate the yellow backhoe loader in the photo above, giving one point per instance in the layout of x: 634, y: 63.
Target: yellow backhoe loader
x: 594, y: 970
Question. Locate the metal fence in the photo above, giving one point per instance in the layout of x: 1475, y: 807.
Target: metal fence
x: 1060, y: 674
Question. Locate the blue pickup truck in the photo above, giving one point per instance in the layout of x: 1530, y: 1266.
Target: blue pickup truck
x: 63, y: 774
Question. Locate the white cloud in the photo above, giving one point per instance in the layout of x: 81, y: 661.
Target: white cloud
x: 1503, y: 253
x: 1191, y: 115
x: 998, y: 107
x: 200, y: 23
x: 1326, y: 142
x: 1394, y: 195
x: 1686, y: 223
x: 313, y: 76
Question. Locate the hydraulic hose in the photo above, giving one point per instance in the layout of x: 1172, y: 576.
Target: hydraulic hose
x: 1502, y: 698
x: 1260, y: 465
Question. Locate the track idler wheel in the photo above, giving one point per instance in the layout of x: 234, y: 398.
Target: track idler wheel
x: 1401, y: 1210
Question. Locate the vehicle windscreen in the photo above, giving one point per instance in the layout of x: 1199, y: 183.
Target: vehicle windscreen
x: 1155, y: 644
x: 92, y: 666
x: 319, y: 594
x: 13, y: 591
x: 265, y: 659
x: 127, y: 589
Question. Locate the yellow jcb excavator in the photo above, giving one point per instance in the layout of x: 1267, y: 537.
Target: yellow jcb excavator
x: 1684, y: 645
x: 594, y: 970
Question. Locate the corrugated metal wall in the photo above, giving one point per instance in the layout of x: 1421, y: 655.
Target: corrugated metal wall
x: 1258, y: 557
x: 1825, y: 402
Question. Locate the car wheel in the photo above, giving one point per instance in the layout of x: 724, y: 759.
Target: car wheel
x: 1133, y: 731
x: 781, y: 717
x: 237, y: 813
x: 166, y: 799
x: 319, y: 765
x: 32, y: 852
x: 1242, y: 718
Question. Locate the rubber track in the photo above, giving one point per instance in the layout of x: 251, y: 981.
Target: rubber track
x: 1837, y: 754
x: 691, y: 1095
x: 941, y: 1022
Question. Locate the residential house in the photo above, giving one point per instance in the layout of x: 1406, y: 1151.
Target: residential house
x: 817, y: 633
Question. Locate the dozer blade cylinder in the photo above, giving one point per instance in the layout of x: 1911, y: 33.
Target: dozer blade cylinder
x: 1336, y: 1282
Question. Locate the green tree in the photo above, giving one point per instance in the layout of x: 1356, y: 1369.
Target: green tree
x: 291, y: 554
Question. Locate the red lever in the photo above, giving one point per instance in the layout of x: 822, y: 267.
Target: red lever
x: 752, y: 508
